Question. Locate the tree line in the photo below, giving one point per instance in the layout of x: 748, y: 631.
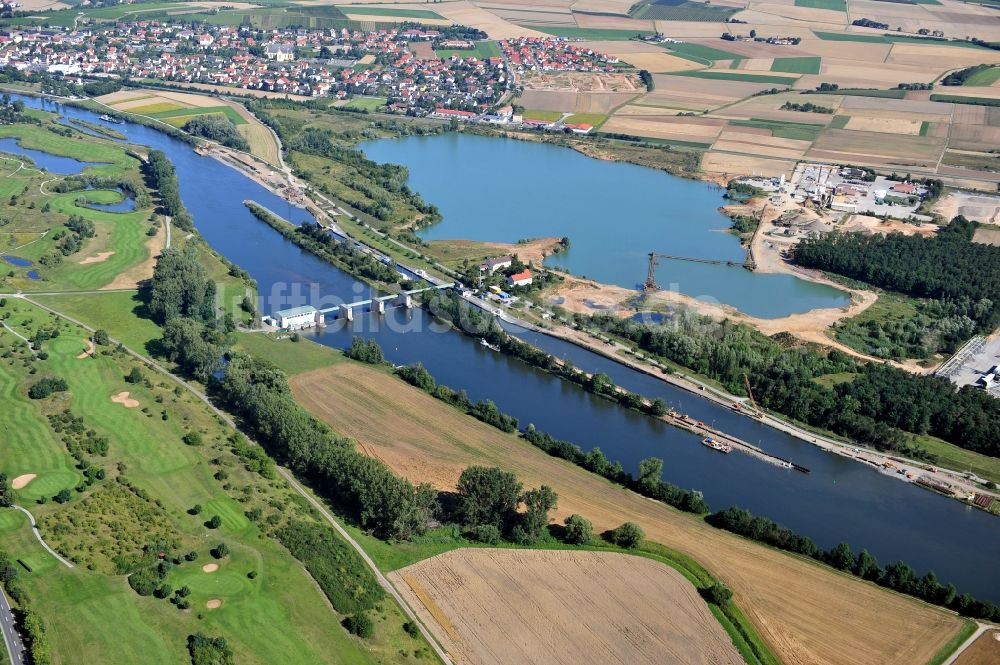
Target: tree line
x: 881, y: 405
x: 897, y: 576
x: 32, y: 627
x: 163, y: 178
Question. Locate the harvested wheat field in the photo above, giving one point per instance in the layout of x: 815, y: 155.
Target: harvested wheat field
x: 536, y: 606
x: 737, y: 165
x: 806, y: 612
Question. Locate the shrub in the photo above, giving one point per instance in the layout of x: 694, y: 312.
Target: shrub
x: 360, y: 625
x: 628, y: 535
x: 579, y: 531
x: 46, y: 387
x: 214, y: 523
x: 411, y: 629
x: 486, y: 533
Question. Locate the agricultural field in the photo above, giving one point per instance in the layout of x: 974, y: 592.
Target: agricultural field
x: 682, y: 10
x: 985, y: 650
x: 563, y: 606
x: 255, y: 595
x: 177, y: 108
x: 805, y: 612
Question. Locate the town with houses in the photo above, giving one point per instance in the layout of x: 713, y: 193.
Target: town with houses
x: 317, y: 63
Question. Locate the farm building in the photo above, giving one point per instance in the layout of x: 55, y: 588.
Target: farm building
x: 296, y: 317
x: 520, y: 279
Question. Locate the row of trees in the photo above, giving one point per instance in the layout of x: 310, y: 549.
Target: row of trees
x: 881, y: 405
x: 32, y: 627
x: 162, y: 177
x: 897, y: 576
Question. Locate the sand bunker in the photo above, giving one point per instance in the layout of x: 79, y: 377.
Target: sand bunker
x: 126, y: 401
x: 213, y: 604
x: 88, y: 352
x: 210, y: 567
x: 97, y: 258
x: 22, y: 481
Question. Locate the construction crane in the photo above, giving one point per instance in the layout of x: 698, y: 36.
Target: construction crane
x: 757, y: 411
x: 651, y: 284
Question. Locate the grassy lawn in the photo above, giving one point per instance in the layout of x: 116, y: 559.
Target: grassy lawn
x: 482, y: 51
x: 123, y: 233
x: 595, y: 119
x: 365, y: 103
x: 388, y: 11
x: 960, y: 459
x: 801, y: 65
x: 834, y: 5
x: 92, y: 615
x: 786, y: 130
x: 111, y: 157
x: 734, y: 76
x: 121, y: 313
x: 537, y: 114
x: 290, y: 356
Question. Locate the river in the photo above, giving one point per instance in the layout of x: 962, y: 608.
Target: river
x: 840, y: 500
x: 614, y: 214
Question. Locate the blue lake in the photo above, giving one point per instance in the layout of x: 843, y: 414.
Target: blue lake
x: 494, y: 189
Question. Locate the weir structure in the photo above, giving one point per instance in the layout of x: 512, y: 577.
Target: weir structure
x: 378, y: 304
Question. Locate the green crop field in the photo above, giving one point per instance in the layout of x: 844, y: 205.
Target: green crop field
x: 840, y: 121
x: 681, y: 10
x: 960, y: 99
x: 595, y: 119
x: 92, y: 615
x: 482, y: 51
x: 984, y: 78
x: 733, y: 76
x: 801, y: 65
x: 388, y: 11
x: 546, y: 116
x: 700, y: 53
x: 891, y: 39
x: 597, y: 34
x: 861, y: 92
x: 798, y: 131
x: 834, y: 5
x: 188, y: 113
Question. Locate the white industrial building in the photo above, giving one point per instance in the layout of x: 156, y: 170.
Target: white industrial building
x: 296, y: 317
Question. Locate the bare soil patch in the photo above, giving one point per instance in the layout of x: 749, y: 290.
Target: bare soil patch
x: 210, y: 568
x: 984, y: 651
x: 562, y: 607
x: 986, y: 236
x: 806, y: 612
x: 22, y: 481
x: 124, y: 399
x: 100, y: 257
x: 89, y: 351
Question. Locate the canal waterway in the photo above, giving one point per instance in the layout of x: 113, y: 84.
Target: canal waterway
x: 840, y: 500
x: 504, y: 190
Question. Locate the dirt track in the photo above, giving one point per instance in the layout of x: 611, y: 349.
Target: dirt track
x: 563, y: 607
x: 806, y: 612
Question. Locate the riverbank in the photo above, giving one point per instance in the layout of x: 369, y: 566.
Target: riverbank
x: 814, y: 321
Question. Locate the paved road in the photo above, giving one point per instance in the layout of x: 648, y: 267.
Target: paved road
x: 15, y: 647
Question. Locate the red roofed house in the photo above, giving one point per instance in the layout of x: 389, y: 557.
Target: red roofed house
x: 520, y: 279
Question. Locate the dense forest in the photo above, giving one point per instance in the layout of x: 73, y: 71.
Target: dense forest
x: 947, y: 267
x: 879, y: 405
